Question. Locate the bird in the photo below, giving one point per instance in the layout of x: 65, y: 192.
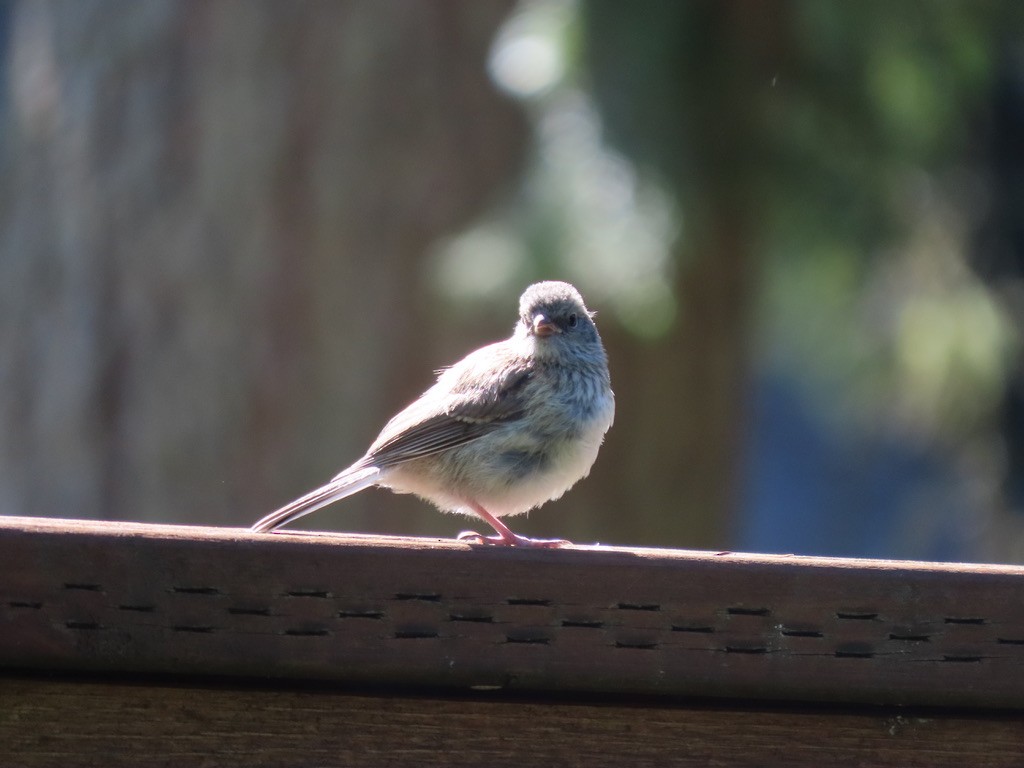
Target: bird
x: 509, y: 427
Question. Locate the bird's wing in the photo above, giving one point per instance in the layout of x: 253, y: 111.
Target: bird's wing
x: 469, y: 400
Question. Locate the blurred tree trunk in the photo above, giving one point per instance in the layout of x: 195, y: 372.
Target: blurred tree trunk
x: 212, y: 218
x: 677, y: 85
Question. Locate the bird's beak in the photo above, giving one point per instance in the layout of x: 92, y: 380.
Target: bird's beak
x: 542, y: 326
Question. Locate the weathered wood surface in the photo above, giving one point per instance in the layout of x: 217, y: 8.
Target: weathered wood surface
x: 117, y: 597
x: 46, y: 723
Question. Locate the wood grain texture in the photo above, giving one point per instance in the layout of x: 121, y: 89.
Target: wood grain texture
x: 111, y: 597
x: 47, y: 723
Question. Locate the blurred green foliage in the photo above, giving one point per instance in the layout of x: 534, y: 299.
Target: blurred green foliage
x: 846, y: 147
x: 848, y: 135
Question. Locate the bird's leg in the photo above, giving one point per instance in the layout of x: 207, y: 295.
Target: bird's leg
x: 505, y: 535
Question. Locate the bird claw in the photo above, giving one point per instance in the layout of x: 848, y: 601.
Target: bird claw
x: 472, y: 537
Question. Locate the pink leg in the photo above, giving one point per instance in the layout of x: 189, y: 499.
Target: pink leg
x: 505, y: 536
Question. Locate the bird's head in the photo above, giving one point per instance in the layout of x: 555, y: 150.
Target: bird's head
x: 553, y: 313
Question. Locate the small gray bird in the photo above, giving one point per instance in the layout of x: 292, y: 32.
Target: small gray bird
x: 507, y: 428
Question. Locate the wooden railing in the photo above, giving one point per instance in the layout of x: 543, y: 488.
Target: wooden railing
x: 281, y: 649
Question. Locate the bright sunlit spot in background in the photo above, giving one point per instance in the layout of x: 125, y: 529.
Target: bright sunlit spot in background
x: 481, y: 262
x: 619, y: 228
x: 526, y: 64
x: 583, y: 205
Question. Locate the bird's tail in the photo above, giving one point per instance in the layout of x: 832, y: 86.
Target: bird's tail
x: 345, y: 484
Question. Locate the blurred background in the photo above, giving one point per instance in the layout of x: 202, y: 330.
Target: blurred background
x: 236, y: 237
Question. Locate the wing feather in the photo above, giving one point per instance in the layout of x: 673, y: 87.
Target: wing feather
x: 460, y: 408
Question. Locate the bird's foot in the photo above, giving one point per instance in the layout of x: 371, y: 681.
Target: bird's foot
x: 512, y: 540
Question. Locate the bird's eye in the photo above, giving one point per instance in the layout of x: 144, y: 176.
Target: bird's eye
x: 573, y: 319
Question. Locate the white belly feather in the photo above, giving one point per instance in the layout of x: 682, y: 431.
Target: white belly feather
x: 493, y: 491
